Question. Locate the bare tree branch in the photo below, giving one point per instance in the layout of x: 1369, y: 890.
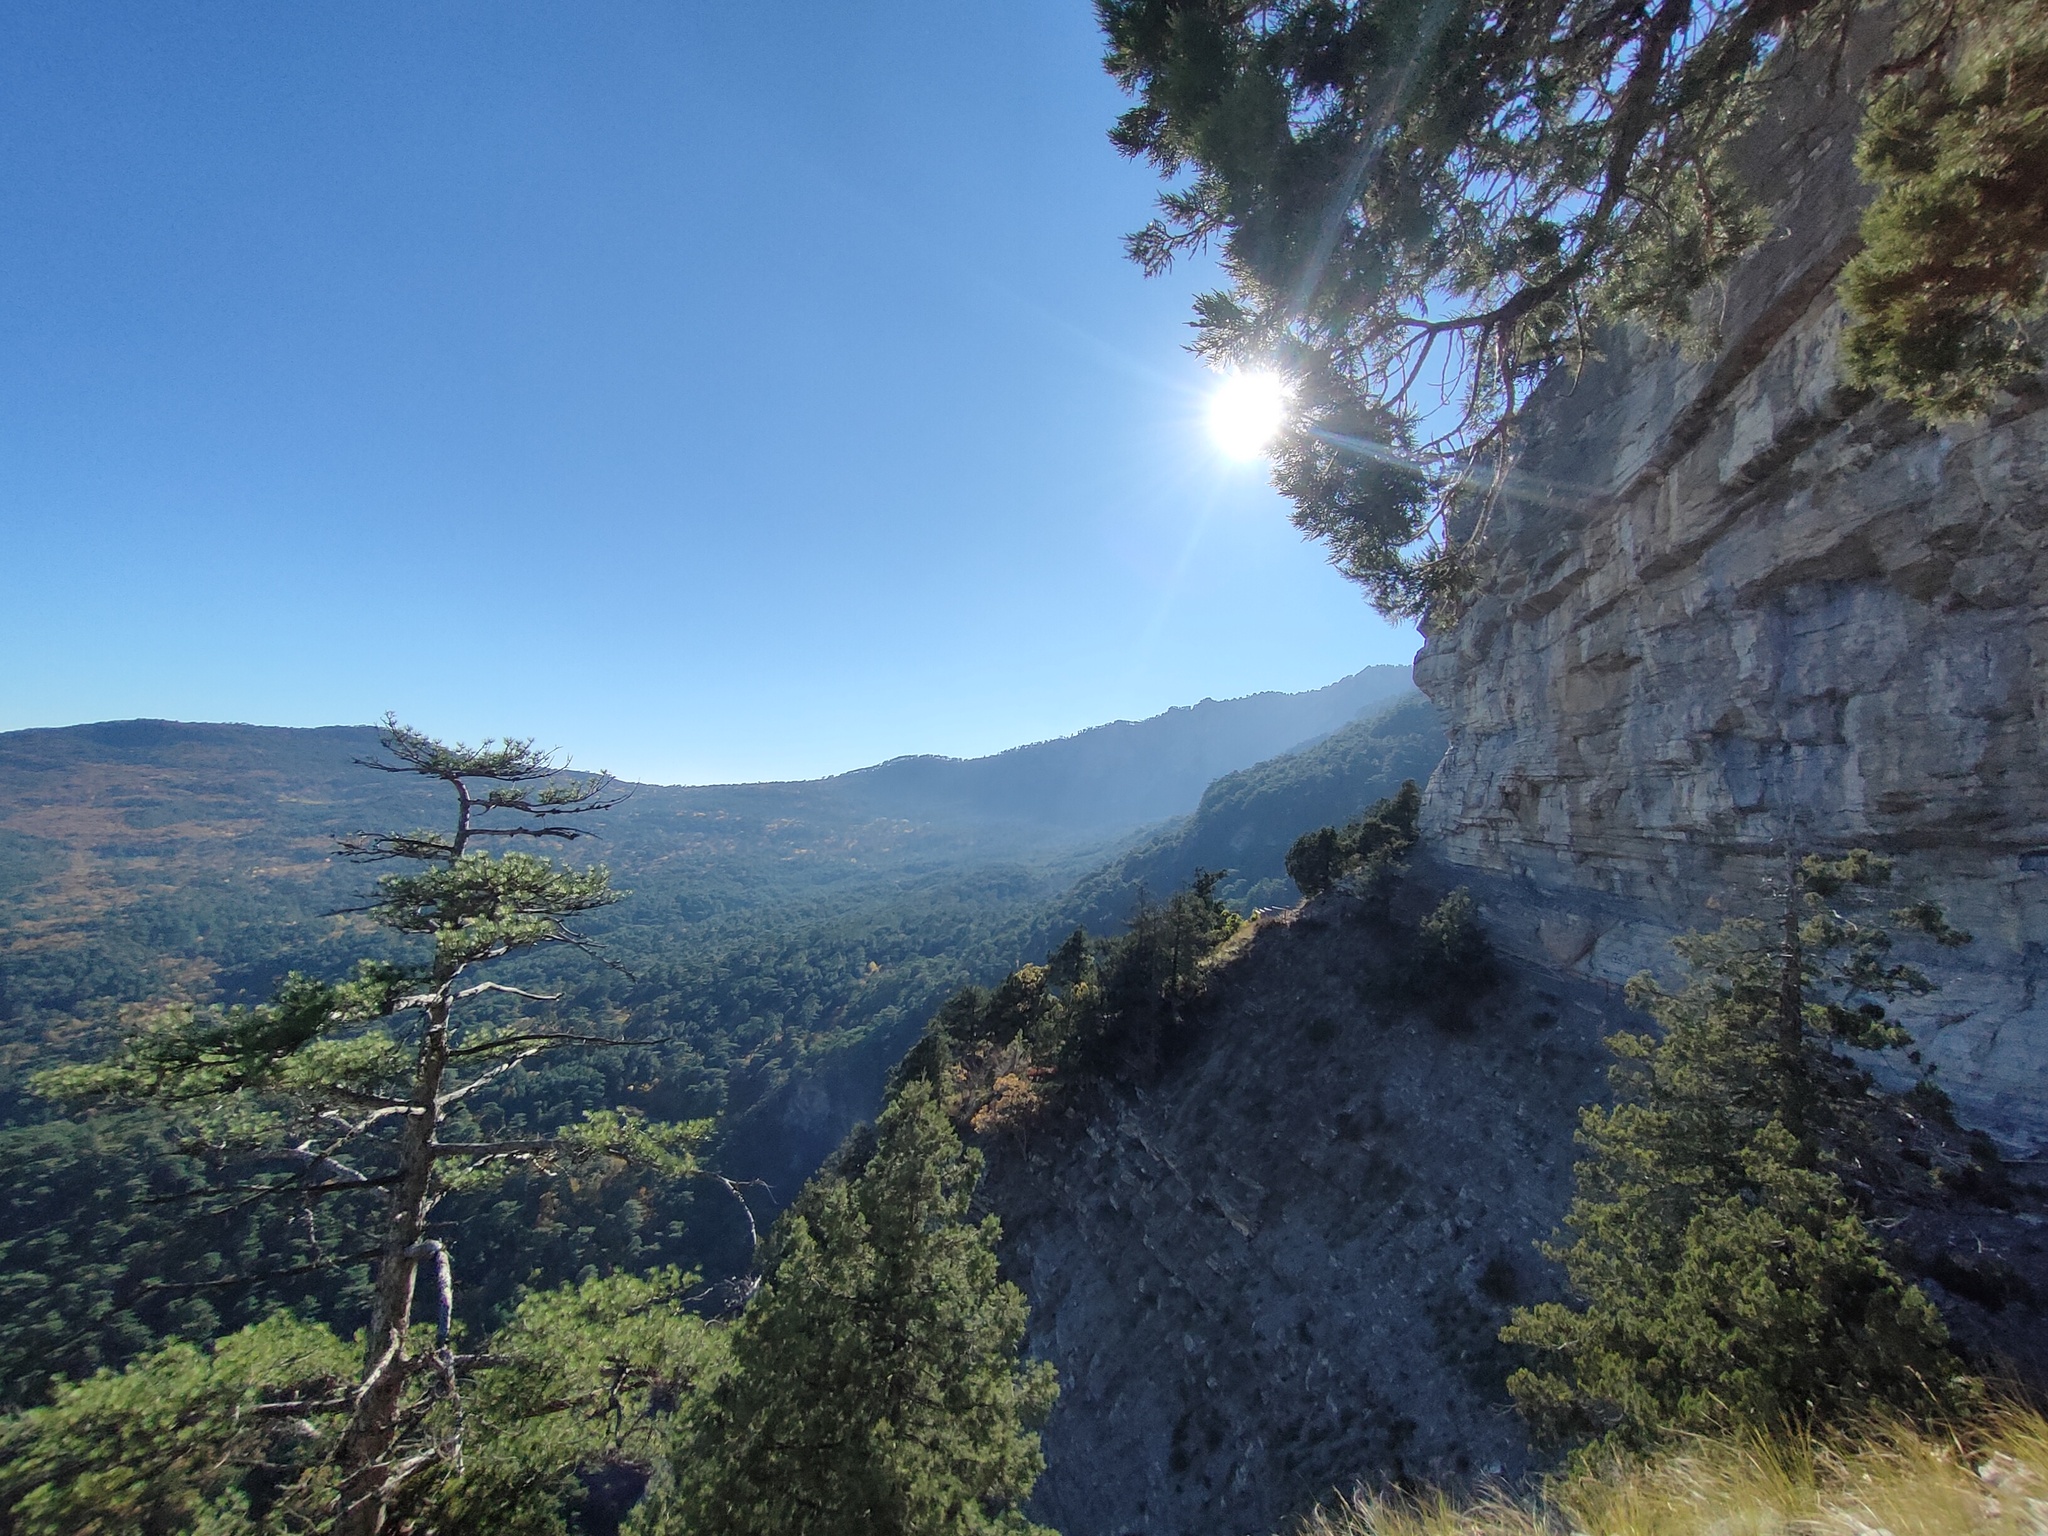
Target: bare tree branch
x: 498, y: 986
x: 502, y: 1042
x: 489, y: 1075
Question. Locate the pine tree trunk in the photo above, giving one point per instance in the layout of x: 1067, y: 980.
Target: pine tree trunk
x: 365, y: 1453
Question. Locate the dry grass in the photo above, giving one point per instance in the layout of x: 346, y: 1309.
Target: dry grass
x: 1890, y: 1482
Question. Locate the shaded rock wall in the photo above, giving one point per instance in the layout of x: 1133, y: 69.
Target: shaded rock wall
x: 1728, y: 597
x: 1279, y: 1270
x: 1282, y: 1267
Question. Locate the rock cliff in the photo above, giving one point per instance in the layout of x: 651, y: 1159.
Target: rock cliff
x: 1727, y: 603
x: 1281, y: 1267
x: 1727, y: 599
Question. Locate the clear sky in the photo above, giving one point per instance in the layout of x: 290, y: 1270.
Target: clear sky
x: 719, y: 391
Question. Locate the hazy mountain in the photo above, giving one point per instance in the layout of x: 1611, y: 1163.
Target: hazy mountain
x: 1246, y: 820
x: 790, y: 940
x: 1119, y: 776
x: 132, y: 850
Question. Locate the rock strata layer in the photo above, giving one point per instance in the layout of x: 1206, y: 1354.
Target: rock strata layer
x: 1727, y: 602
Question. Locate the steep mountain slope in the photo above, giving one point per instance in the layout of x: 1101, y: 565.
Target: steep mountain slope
x: 1247, y: 820
x: 1280, y: 1267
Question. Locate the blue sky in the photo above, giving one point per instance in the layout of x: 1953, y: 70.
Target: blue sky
x: 720, y: 392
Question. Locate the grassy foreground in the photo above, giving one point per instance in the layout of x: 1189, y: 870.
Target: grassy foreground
x: 1992, y: 1481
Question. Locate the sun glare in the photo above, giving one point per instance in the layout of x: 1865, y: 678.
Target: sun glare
x: 1246, y: 411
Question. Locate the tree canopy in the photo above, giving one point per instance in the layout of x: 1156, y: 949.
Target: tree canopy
x: 1724, y: 1275
x: 876, y: 1388
x: 1426, y: 208
x: 239, y: 1436
x: 373, y: 1086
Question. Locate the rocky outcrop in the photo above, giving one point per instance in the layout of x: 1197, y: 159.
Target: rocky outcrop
x: 1728, y: 605
x: 1729, y: 601
x: 1281, y: 1267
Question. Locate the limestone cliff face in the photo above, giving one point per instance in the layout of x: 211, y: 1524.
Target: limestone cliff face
x: 1728, y: 601
x: 1728, y: 597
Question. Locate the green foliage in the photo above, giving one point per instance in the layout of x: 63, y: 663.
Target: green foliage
x: 1127, y: 1019
x: 102, y: 1255
x: 1314, y: 861
x: 374, y: 1084
x: 1098, y: 1011
x: 1247, y: 820
x: 238, y: 1436
x: 1451, y: 956
x: 1722, y: 1273
x: 1431, y: 203
x: 751, y: 1000
x: 1371, y: 848
x: 586, y: 1379
x: 875, y: 1385
x: 187, y: 1055
x: 188, y: 1439
x: 478, y: 907
x: 1065, y: 966
x: 1952, y: 270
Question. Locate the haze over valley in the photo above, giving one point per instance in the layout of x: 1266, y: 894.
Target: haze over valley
x: 1014, y: 1049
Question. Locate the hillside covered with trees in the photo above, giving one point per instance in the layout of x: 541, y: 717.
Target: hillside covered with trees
x: 781, y: 950
x: 1193, y: 1124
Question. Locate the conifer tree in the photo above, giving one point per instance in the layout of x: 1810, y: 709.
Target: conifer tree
x: 1953, y: 274
x: 235, y: 1437
x: 1722, y: 1273
x: 876, y: 1388
x: 1371, y: 846
x: 1424, y: 209
x: 369, y: 1086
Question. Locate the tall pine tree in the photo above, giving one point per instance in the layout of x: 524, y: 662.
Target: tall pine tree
x: 876, y: 1386
x: 1724, y: 1276
x: 371, y: 1087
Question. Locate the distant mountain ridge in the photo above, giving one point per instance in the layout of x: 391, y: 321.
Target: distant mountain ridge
x: 125, y: 842
x: 785, y: 941
x: 1122, y: 775
x: 1247, y: 819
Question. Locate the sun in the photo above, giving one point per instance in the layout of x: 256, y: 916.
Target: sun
x: 1246, y: 410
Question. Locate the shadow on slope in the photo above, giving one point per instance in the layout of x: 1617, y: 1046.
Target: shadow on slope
x: 1247, y: 820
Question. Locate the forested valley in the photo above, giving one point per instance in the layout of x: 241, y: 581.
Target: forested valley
x: 778, y: 952
x: 1602, y: 1092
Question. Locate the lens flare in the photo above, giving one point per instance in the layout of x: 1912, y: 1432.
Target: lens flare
x: 1246, y: 411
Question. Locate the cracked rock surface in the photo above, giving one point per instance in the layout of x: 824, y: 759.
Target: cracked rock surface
x: 1280, y: 1267
x: 1731, y: 601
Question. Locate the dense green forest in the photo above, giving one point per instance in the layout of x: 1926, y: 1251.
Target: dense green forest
x: 787, y: 949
